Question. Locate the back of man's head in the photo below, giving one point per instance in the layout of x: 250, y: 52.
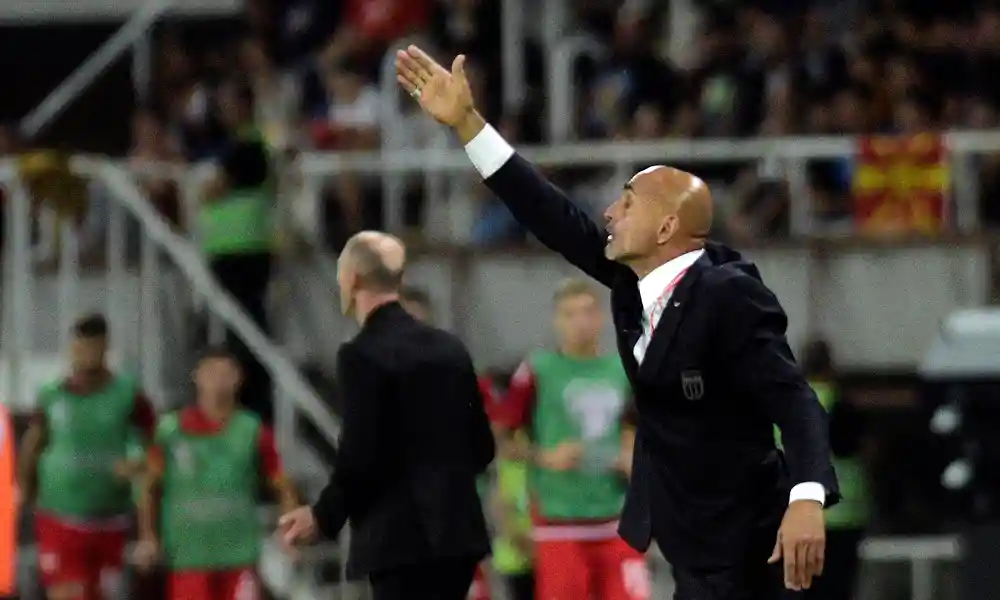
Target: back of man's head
x: 377, y: 260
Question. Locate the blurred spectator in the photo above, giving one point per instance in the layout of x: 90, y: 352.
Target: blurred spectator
x: 236, y: 236
x: 276, y: 94
x: 152, y: 143
x: 349, y: 117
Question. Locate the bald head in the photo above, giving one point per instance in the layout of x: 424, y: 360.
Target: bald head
x: 378, y: 260
x: 662, y: 213
x: 681, y: 193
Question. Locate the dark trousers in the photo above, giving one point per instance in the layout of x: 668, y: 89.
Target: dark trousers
x: 840, y: 569
x: 750, y: 579
x: 443, y: 579
x: 521, y: 586
x: 246, y: 277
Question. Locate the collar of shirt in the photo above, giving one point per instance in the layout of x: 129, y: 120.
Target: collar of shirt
x: 651, y: 286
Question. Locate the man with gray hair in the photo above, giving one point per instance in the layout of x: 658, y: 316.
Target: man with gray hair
x: 415, y: 437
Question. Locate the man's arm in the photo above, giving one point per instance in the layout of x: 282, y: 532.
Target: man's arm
x: 149, y: 497
x: 542, y: 208
x: 759, y: 359
x: 272, y: 471
x: 144, y: 417
x: 483, y: 444
x: 356, y: 469
x: 32, y: 445
x: 513, y: 413
x: 629, y: 423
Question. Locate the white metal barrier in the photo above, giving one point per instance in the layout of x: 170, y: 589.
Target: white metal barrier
x: 158, y: 241
x: 786, y: 157
x: 921, y: 553
x: 133, y: 34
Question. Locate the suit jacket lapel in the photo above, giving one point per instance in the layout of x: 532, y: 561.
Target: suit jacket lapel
x: 671, y: 318
x: 627, y: 307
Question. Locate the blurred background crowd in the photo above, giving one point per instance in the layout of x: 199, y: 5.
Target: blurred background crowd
x: 304, y: 78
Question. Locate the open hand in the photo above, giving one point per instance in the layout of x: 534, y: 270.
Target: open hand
x: 802, y: 543
x: 444, y: 95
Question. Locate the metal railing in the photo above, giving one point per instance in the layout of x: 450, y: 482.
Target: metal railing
x: 157, y: 241
x: 784, y: 157
x: 133, y: 34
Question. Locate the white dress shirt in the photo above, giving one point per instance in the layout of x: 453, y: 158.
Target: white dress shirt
x: 488, y: 151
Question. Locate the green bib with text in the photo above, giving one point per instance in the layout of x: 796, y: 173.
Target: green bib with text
x: 579, y: 400
x: 87, y: 436
x: 209, y: 508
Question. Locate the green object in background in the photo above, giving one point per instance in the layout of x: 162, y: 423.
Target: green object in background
x: 579, y: 400
x: 512, y: 485
x: 89, y: 436
x: 210, y: 482
x: 854, y: 508
x: 239, y: 223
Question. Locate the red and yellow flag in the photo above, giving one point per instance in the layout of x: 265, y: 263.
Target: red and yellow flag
x: 901, y: 184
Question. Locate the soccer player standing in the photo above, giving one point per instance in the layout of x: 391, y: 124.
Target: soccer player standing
x: 74, y: 465
x: 199, y: 504
x: 574, y: 403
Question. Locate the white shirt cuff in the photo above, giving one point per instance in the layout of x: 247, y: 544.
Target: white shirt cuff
x: 809, y: 490
x: 488, y: 151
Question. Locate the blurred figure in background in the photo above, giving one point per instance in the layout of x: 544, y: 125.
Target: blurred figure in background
x: 199, y: 504
x: 575, y: 403
x: 235, y: 226
x: 74, y: 468
x: 513, y: 548
x: 847, y: 521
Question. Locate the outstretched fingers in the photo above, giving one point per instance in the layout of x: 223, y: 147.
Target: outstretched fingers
x: 409, y: 72
x: 426, y: 63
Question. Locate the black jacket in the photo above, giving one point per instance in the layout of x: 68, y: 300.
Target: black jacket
x: 707, y: 481
x: 415, y: 437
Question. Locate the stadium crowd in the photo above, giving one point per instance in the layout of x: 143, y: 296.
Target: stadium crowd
x: 306, y: 74
x: 302, y: 75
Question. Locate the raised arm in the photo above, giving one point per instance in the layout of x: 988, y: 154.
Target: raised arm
x: 537, y: 204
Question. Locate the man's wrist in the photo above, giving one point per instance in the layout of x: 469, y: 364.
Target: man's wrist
x: 809, y: 490
x: 470, y: 126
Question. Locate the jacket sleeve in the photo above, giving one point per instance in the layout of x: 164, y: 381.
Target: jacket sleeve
x: 360, y: 453
x: 542, y: 208
x: 757, y: 359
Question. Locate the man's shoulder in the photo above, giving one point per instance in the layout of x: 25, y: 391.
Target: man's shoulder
x: 412, y: 339
x: 735, y: 278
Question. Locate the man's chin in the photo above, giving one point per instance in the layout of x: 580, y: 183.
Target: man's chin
x: 612, y: 253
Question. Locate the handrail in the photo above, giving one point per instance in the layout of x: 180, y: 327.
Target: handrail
x: 190, y: 263
x: 668, y: 150
x: 93, y: 67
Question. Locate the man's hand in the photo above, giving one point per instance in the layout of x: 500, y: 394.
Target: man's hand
x: 128, y: 469
x: 802, y: 543
x: 564, y: 457
x: 147, y: 552
x: 445, y: 96
x: 297, y: 527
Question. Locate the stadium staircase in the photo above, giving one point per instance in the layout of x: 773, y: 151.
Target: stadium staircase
x: 151, y: 283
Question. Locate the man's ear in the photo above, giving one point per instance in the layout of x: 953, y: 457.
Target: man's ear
x: 668, y: 226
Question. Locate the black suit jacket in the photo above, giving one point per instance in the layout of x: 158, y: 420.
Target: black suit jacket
x: 415, y: 437
x: 707, y: 481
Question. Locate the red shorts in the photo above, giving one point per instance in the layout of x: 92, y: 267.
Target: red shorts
x: 229, y: 584
x: 88, y: 558
x: 580, y: 570
x: 480, y: 589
